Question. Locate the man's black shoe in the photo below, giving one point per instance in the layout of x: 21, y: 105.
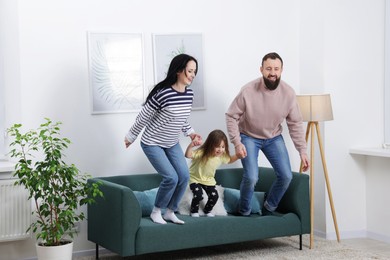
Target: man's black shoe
x: 266, y: 212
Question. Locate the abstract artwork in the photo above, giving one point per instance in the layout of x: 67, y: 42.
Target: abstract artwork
x: 116, y: 72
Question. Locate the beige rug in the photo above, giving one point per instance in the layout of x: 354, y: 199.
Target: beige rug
x: 275, y: 248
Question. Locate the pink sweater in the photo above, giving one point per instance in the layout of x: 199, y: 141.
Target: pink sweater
x: 259, y: 113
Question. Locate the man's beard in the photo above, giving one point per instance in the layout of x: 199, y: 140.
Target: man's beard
x: 271, y: 85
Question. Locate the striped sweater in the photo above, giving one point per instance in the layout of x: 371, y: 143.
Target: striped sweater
x: 164, y: 116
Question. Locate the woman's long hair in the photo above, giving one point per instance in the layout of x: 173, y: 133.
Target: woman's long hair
x: 213, y: 140
x: 178, y: 64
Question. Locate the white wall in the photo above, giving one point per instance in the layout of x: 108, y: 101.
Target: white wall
x: 340, y: 42
x: 327, y: 46
x: 354, y: 58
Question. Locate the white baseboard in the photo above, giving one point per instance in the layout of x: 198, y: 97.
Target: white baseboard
x: 379, y: 237
x: 102, y: 251
x: 353, y: 234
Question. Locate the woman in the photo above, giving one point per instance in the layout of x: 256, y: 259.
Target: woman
x: 164, y: 115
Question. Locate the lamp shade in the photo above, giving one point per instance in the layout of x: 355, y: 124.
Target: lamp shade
x: 315, y: 107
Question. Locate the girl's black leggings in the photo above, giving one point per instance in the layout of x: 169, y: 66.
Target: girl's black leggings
x: 197, y: 192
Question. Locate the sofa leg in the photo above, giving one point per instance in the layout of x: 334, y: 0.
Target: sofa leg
x: 300, y: 242
x: 97, y: 251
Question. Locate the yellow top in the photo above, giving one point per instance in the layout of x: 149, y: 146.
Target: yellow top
x: 204, y: 173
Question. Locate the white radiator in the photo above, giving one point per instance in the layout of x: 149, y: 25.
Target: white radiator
x: 15, y: 211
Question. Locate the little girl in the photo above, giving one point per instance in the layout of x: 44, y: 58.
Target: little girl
x: 205, y: 161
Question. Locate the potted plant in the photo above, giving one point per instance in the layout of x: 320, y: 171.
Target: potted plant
x: 58, y: 189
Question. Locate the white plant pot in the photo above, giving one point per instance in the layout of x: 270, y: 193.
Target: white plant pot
x: 62, y: 252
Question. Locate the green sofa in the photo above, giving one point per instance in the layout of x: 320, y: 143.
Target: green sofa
x: 115, y: 222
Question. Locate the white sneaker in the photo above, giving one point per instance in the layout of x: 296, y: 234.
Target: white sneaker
x: 195, y: 215
x: 210, y: 215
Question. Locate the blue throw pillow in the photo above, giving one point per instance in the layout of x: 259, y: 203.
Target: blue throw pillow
x: 146, y: 200
x: 232, y: 196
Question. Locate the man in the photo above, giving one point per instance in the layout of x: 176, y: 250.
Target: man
x: 254, y: 123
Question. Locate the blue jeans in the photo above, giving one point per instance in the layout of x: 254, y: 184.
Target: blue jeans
x: 275, y: 151
x: 171, y: 164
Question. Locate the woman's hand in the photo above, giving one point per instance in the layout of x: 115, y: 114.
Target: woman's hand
x: 127, y: 143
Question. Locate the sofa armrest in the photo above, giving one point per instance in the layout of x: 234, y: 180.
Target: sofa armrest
x: 297, y: 200
x: 113, y: 220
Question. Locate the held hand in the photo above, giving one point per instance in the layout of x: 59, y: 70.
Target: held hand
x: 241, y: 151
x: 196, y: 139
x: 305, y: 162
x: 127, y: 143
x: 195, y: 142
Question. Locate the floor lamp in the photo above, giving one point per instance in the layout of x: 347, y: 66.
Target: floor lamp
x: 314, y: 109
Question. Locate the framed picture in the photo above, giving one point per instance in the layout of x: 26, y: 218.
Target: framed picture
x: 167, y: 46
x: 116, y: 72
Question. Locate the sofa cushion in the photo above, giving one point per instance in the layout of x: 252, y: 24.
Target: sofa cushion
x: 218, y: 210
x: 232, y: 197
x: 146, y: 200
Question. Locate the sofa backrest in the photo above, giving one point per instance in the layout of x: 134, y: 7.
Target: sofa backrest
x: 227, y: 177
x: 137, y: 182
x: 231, y: 178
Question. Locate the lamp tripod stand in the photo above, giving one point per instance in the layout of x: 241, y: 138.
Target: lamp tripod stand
x: 313, y: 126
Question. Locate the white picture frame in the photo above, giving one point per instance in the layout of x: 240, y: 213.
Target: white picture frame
x: 167, y: 46
x: 116, y: 72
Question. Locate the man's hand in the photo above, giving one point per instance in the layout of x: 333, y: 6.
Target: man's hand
x: 240, y: 151
x: 305, y: 162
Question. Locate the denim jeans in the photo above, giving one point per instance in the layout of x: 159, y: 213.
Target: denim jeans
x: 275, y: 151
x: 171, y: 164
